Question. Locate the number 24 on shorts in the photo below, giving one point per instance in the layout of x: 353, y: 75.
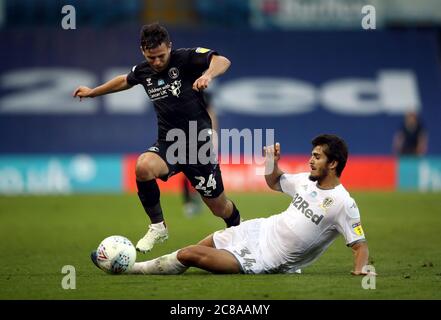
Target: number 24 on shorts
x: 211, y: 183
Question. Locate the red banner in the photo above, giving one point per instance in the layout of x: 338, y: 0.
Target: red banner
x: 361, y: 173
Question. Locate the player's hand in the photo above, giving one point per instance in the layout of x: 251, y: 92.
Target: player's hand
x: 272, y: 152
x: 83, y: 92
x: 202, y: 83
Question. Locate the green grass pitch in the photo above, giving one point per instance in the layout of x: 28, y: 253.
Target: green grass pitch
x: 41, y: 234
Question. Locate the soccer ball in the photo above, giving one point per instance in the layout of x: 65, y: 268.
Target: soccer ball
x: 116, y: 254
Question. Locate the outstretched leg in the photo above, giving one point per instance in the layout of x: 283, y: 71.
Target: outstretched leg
x: 209, y: 259
x: 202, y: 255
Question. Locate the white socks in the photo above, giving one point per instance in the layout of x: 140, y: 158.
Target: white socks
x: 168, y: 264
x: 160, y: 226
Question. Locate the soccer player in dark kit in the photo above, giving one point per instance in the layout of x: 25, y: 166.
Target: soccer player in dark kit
x: 174, y: 81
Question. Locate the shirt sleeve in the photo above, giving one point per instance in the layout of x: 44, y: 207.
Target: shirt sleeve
x: 132, y: 77
x: 349, y: 223
x: 288, y: 183
x: 200, y: 58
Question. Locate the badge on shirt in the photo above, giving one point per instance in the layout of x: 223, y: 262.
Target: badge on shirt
x: 173, y: 73
x: 202, y: 50
x: 327, y: 202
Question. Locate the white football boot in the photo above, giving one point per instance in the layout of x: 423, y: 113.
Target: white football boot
x: 157, y: 233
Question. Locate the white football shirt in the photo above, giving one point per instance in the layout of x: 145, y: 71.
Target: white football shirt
x: 314, y: 219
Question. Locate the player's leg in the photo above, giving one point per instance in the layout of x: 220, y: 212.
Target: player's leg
x: 207, y: 180
x: 167, y: 263
x: 207, y: 242
x: 224, y: 208
x: 149, y: 167
x: 209, y: 259
x: 199, y: 256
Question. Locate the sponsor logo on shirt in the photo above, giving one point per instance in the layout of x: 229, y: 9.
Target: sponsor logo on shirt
x: 161, y: 82
x: 149, y: 81
x: 303, y: 206
x: 175, y: 88
x: 357, y: 228
x: 158, y: 92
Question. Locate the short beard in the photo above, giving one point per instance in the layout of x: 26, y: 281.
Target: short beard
x: 323, y: 174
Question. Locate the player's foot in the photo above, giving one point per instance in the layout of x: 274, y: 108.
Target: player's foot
x: 298, y: 271
x: 157, y: 233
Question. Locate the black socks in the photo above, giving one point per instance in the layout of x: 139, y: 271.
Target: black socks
x: 234, y: 219
x: 148, y: 193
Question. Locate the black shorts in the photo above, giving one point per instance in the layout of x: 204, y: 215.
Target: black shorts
x: 205, y: 178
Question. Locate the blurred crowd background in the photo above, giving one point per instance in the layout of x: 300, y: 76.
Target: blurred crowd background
x: 254, y: 14
x: 300, y: 67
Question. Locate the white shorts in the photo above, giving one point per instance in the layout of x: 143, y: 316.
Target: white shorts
x: 243, y: 242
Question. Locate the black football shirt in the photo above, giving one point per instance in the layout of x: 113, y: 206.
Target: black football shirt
x: 174, y: 100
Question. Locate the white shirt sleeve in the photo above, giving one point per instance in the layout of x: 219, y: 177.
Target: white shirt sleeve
x: 289, y: 183
x: 349, y: 224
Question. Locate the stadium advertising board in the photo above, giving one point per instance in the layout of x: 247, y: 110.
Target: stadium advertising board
x: 59, y: 174
x: 423, y: 174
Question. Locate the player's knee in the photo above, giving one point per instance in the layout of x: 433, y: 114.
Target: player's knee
x: 189, y: 255
x: 144, y: 169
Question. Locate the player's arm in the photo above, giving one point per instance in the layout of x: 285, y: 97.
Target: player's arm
x: 118, y: 83
x: 272, y: 170
x: 218, y: 65
x: 360, y: 252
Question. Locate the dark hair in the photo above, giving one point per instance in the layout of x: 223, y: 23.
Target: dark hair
x: 153, y: 35
x: 336, y: 149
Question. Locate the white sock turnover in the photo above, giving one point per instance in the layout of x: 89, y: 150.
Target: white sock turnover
x: 167, y: 264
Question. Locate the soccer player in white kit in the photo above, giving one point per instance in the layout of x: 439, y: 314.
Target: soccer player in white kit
x: 320, y: 210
